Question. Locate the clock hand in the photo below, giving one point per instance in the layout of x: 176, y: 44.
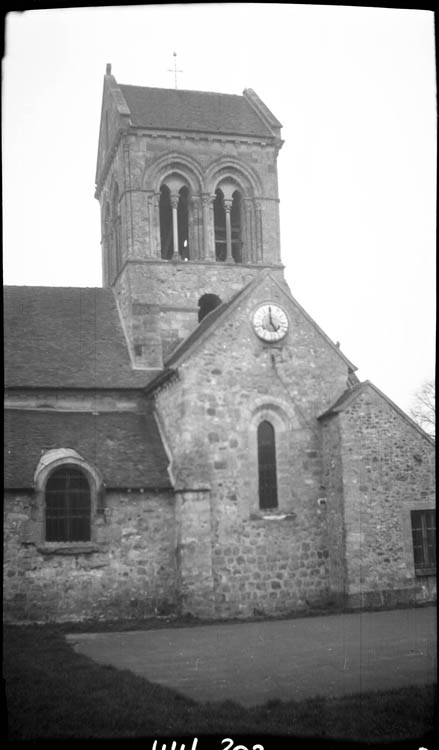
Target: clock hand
x: 275, y: 328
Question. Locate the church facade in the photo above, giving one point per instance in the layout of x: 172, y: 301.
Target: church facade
x: 186, y: 439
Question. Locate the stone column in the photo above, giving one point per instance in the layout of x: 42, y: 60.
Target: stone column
x: 227, y: 209
x: 174, y: 205
x: 248, y: 234
x: 259, y: 255
x: 155, y: 229
x: 151, y: 250
x: 127, y: 200
x: 195, y: 229
x: 208, y: 252
x: 194, y: 552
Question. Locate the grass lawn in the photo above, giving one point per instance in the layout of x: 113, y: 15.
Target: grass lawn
x: 52, y: 692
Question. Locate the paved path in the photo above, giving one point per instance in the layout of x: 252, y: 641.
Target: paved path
x: 251, y: 663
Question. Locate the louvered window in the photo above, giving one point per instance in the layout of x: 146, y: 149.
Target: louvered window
x: 267, y: 466
x: 68, y: 506
x: 424, y: 541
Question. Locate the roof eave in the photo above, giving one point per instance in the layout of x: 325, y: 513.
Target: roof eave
x: 335, y: 410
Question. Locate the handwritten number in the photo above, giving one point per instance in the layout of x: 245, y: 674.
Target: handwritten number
x: 230, y: 745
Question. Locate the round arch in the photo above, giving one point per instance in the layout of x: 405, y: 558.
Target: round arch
x: 48, y: 465
x: 226, y: 169
x: 181, y: 166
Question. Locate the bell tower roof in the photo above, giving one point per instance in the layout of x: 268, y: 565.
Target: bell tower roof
x: 129, y: 107
x: 199, y: 111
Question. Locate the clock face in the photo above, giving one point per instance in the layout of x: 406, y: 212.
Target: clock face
x: 270, y: 322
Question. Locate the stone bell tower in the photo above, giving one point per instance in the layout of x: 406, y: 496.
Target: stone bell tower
x: 187, y: 183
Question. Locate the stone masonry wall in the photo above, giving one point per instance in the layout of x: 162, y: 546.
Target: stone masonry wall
x: 388, y: 470
x: 169, y: 293
x: 333, y: 506
x: 264, y: 561
x: 130, y: 573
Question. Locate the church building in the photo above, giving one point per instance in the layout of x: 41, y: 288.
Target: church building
x: 187, y: 439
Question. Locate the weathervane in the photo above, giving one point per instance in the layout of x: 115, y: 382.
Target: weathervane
x: 175, y: 70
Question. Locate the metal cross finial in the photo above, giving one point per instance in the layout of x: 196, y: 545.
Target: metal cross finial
x: 175, y: 70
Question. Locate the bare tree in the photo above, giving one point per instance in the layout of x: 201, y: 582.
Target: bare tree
x: 423, y: 409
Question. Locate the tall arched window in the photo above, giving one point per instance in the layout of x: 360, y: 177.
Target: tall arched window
x: 68, y: 506
x: 165, y: 210
x: 267, y: 466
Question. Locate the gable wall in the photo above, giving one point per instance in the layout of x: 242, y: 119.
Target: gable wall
x: 270, y: 564
x: 388, y: 470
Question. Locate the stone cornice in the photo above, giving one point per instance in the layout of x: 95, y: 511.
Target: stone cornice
x: 189, y: 263
x: 267, y: 140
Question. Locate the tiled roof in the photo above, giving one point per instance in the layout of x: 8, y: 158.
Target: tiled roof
x: 176, y: 109
x: 351, y: 394
x: 342, y: 403
x: 125, y: 447
x: 64, y: 337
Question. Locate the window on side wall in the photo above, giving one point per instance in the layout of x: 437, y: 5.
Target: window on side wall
x: 68, y: 506
x: 267, y: 466
x: 424, y: 541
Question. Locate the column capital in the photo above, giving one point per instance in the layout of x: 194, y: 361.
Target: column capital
x: 227, y: 205
x: 207, y: 198
x: 174, y: 200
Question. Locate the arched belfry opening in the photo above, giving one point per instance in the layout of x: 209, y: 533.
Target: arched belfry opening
x: 165, y: 210
x: 174, y: 219
x: 183, y: 223
x: 206, y: 304
x: 236, y: 224
x: 220, y: 226
x: 227, y: 212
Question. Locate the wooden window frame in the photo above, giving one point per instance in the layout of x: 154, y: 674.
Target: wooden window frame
x: 423, y: 527
x: 45, y: 469
x: 68, y: 505
x: 267, y: 466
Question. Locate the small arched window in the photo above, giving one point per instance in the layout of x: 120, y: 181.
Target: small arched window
x: 68, y: 506
x: 267, y: 466
x: 206, y: 304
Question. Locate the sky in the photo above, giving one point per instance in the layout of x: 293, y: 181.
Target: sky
x: 355, y: 91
